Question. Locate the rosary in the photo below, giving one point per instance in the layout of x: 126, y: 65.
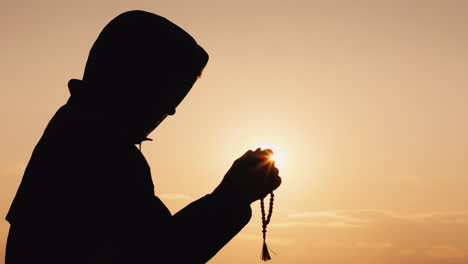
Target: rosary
x: 265, y: 221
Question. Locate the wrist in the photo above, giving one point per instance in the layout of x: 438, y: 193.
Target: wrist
x: 231, y: 196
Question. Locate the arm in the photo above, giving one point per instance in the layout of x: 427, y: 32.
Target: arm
x: 202, y: 228
x: 206, y: 225
x: 197, y: 232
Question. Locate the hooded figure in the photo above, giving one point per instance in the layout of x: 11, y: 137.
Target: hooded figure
x: 87, y: 194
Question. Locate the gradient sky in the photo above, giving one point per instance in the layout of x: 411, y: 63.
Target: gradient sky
x: 366, y: 100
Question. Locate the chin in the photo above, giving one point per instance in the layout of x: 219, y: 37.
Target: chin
x: 148, y: 128
x: 140, y: 138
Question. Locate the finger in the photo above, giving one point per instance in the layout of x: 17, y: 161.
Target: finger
x: 264, y: 194
x: 272, y: 185
x: 259, y: 154
x: 273, y: 164
x: 270, y: 168
x: 264, y: 154
x: 274, y: 171
x: 248, y: 152
x: 272, y: 179
x: 268, y: 151
x: 277, y: 182
x: 258, y: 158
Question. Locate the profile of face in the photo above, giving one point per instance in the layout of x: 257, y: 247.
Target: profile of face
x: 152, y: 110
x: 144, y: 66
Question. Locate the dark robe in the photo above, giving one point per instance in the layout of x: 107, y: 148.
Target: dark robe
x: 87, y: 197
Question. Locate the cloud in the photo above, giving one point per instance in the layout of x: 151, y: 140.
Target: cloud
x: 430, y: 236
x: 363, y: 218
x: 324, y: 219
x: 321, y: 223
x: 445, y: 252
x: 450, y: 218
x: 174, y: 196
x: 250, y: 237
x: 406, y: 252
x: 373, y: 245
x: 390, y: 237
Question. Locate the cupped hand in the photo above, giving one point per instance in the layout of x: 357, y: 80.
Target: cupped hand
x: 251, y: 177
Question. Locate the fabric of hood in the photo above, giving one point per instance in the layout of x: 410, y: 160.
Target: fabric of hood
x: 138, y: 49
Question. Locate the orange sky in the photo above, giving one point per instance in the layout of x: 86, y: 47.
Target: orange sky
x: 367, y: 100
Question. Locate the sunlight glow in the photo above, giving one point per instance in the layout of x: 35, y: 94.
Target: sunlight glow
x: 278, y: 156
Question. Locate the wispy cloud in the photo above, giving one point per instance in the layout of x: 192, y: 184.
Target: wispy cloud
x: 451, y: 218
x: 250, y: 237
x: 332, y: 219
x: 406, y: 252
x: 320, y: 223
x: 373, y: 245
x: 431, y: 237
x: 365, y: 218
x: 445, y: 252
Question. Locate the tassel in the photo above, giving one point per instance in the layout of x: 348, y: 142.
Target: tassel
x: 265, y: 253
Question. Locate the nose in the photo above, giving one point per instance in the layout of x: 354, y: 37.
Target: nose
x: 171, y: 111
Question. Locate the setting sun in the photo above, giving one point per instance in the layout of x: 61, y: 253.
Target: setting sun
x: 278, y: 155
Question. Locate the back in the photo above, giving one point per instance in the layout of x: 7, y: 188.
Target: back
x: 84, y: 195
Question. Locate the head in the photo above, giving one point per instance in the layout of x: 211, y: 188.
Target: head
x: 140, y: 69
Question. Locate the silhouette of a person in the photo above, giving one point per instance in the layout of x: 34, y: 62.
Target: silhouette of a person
x: 87, y: 195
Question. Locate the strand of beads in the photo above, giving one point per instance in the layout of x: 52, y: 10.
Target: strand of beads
x: 265, y: 221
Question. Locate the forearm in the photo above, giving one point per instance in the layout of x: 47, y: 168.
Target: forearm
x: 203, y: 227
